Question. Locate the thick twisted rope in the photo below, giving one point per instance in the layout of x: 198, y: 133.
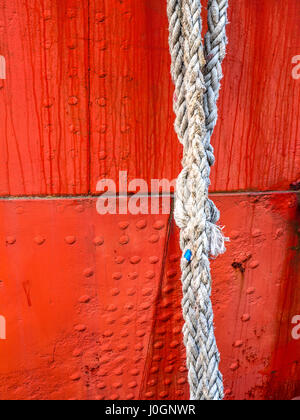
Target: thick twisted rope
x: 195, y: 214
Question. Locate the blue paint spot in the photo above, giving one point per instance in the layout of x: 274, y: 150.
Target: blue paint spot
x: 188, y: 255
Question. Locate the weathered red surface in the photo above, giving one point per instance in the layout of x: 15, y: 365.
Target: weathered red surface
x: 101, y: 76
x: 44, y: 142
x: 92, y: 302
x: 88, y: 93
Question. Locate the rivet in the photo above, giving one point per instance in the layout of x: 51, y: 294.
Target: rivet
x: 149, y: 395
x: 150, y: 275
x: 159, y: 225
x: 167, y: 381
x: 238, y: 344
x: 98, y: 241
x: 115, y: 292
x: 75, y: 377
x: 108, y: 333
x: 147, y: 292
x: 100, y: 17
x: 135, y: 260
x: 119, y: 260
x: 250, y: 291
x: 256, y: 233
x: 73, y: 100
x: 77, y: 353
x: 179, y: 393
x: 254, y: 264
x: 141, y: 224
x: 153, y: 260
x: 163, y: 394
x: 154, y: 239
x: 130, y: 397
x: 80, y: 328
x: 101, y: 385
x: 139, y: 347
x: 117, y: 276
x: 131, y: 292
x: 234, y: 235
x: 39, y: 240
x: 70, y: 240
x: 11, y: 240
x: 114, y: 397
x: 152, y: 382
x: 126, y: 320
x: 234, y: 366
x: 132, y: 384
x: 246, y: 318
x: 101, y: 102
x: 159, y: 345
x: 181, y: 381
x: 102, y: 155
x: 84, y: 299
x: 133, y: 276
x: 174, y: 344
x: 171, y: 274
x: 89, y: 272
x: 174, y: 258
x: 123, y: 225
x: 124, y: 240
x: 112, y: 308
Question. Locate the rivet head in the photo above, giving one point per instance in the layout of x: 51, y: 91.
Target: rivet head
x: 141, y: 224
x: 135, y: 260
x: 11, y: 240
x: 119, y: 260
x: 124, y: 240
x: 123, y: 225
x: 70, y: 240
x: 154, y: 239
x: 84, y: 299
x: 88, y: 272
x: 159, y: 225
x: 246, y: 318
x: 80, y: 328
x: 39, y: 240
x: 75, y: 377
x: 98, y: 241
x: 73, y: 100
x: 102, y: 155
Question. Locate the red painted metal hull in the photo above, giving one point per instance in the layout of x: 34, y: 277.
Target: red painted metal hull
x: 93, y: 303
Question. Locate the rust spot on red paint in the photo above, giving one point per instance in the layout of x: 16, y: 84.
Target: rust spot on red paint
x: 239, y: 266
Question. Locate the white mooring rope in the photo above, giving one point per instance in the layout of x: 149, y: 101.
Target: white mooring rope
x: 197, y: 84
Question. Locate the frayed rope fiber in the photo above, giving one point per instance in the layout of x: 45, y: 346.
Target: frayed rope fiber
x: 197, y: 72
